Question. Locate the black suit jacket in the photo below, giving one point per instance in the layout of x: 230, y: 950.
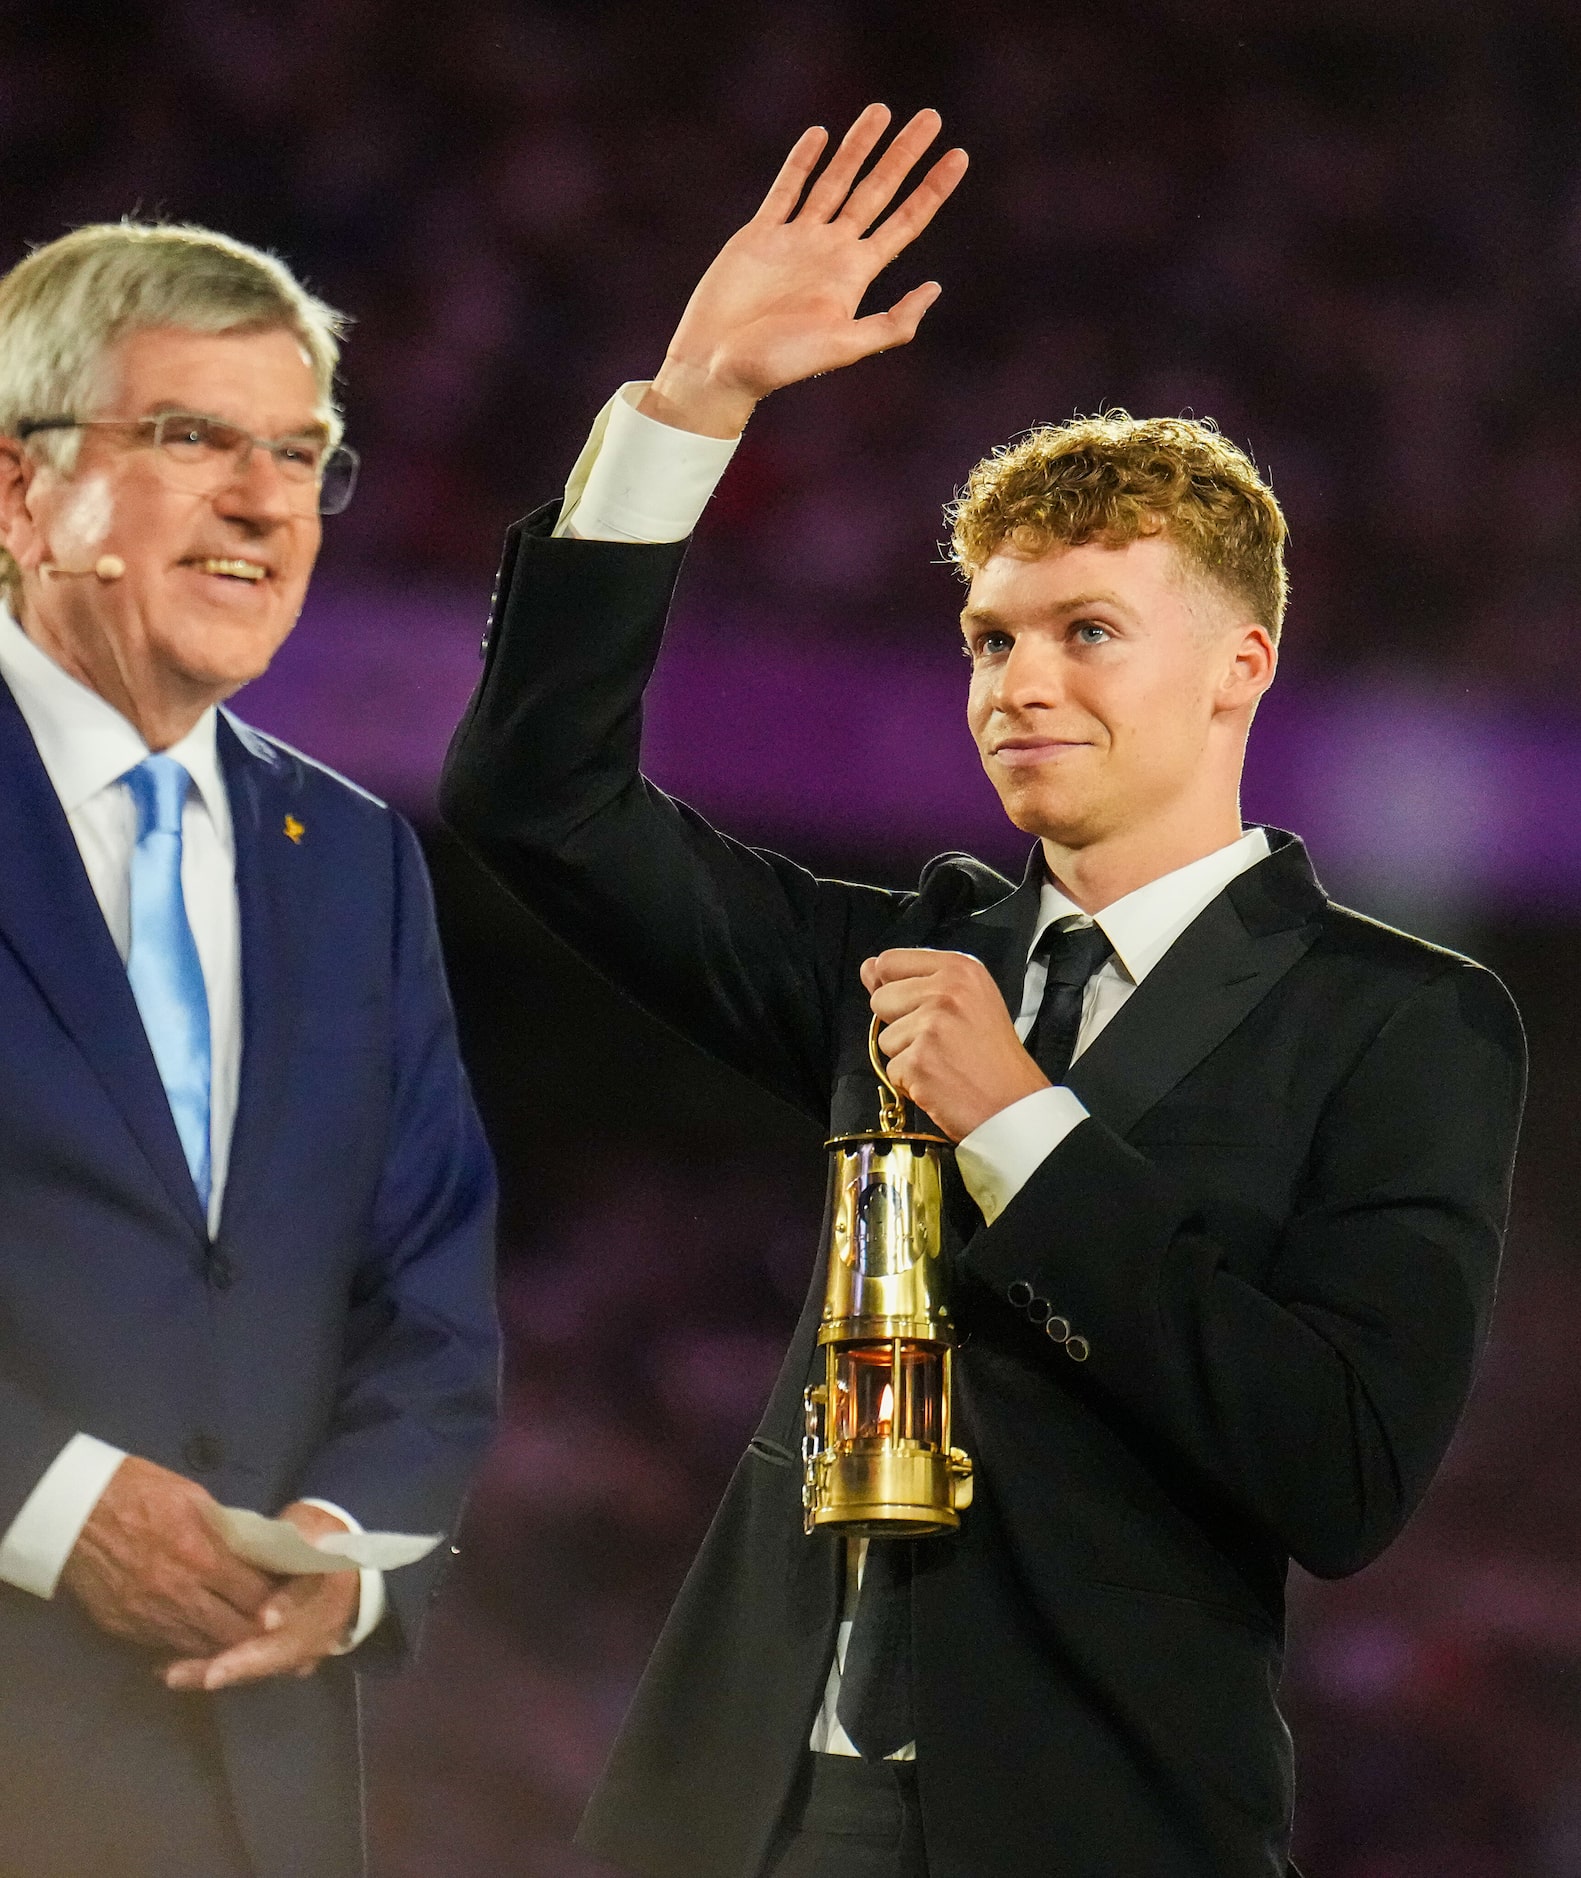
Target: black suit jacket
x: 1278, y: 1231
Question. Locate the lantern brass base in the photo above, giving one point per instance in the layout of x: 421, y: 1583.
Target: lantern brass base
x: 888, y: 1491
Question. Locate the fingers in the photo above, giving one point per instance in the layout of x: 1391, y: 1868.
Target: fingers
x: 288, y: 1602
x: 295, y: 1634
x: 165, y: 1607
x: 196, y: 1623
x: 249, y: 1661
x: 186, y: 1673
x: 882, y: 332
x: 786, y: 190
x: 242, y: 1587
x: 893, y: 1040
x: 919, y: 208
x: 877, y: 189
x: 899, y: 999
x: 198, y: 1627
x: 259, y: 1658
x: 890, y: 1003
x: 910, y: 978
x: 857, y: 145
x: 217, y: 1624
x: 905, y: 962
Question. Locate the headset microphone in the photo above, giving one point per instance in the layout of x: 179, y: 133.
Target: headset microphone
x: 108, y: 567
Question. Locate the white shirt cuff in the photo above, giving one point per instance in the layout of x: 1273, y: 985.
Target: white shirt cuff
x: 1001, y: 1155
x: 638, y: 479
x: 39, y: 1540
x: 371, y: 1599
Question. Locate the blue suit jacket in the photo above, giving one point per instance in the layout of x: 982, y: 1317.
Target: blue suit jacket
x: 336, y: 1337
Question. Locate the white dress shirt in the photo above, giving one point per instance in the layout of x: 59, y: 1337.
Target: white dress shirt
x: 638, y: 479
x: 87, y: 747
x: 641, y: 481
x: 1001, y: 1154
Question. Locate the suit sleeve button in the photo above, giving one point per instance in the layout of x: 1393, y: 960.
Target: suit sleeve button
x: 1078, y: 1349
x: 1038, y: 1310
x: 1057, y: 1327
x: 1020, y: 1294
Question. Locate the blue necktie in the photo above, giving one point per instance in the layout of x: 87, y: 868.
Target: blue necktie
x: 167, y: 979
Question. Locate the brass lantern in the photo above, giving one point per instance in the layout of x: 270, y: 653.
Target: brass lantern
x: 876, y: 1455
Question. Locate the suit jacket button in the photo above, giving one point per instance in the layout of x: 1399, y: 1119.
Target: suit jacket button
x: 220, y: 1271
x: 203, y: 1454
x: 1020, y: 1294
x: 1078, y: 1349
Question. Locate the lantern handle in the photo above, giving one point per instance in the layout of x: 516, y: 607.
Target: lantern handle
x: 891, y: 1104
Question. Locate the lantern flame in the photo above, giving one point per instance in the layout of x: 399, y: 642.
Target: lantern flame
x: 886, y: 1410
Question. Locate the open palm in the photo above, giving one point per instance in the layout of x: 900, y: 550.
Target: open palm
x: 779, y: 302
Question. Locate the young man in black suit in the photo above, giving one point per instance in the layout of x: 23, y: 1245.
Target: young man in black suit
x: 1233, y: 1162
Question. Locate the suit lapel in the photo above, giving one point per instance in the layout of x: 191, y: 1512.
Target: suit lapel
x: 269, y: 897
x: 53, y: 923
x: 1001, y: 934
x: 1214, y: 975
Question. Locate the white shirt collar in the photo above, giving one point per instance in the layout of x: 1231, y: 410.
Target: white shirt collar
x: 1143, y: 925
x: 85, y: 743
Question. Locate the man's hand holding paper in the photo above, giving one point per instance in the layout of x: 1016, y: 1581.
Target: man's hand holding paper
x: 310, y: 1615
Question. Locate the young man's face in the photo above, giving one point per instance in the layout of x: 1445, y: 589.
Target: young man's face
x: 1107, y: 683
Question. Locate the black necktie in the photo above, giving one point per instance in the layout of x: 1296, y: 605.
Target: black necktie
x: 1073, y: 956
x: 874, y: 1707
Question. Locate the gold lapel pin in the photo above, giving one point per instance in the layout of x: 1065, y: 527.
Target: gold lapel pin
x: 294, y: 830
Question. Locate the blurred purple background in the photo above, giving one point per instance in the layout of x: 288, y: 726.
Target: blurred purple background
x: 1349, y: 232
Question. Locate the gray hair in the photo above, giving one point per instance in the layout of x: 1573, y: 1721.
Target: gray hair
x: 69, y: 302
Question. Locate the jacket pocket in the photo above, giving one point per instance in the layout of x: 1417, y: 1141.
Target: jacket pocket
x: 1212, y: 1124
x: 772, y: 1452
x: 1200, y: 1687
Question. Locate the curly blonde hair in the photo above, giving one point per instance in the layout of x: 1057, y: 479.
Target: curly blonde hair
x: 1112, y: 479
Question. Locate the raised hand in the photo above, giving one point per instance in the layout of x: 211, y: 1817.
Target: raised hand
x: 779, y: 301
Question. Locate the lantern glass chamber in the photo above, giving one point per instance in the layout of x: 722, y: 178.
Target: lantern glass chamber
x: 889, y: 1392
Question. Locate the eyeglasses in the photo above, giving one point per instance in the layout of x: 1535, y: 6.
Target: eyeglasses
x: 203, y: 454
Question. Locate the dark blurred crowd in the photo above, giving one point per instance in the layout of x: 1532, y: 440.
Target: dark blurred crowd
x: 1349, y: 232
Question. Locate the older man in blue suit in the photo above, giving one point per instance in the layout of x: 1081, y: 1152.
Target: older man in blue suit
x: 245, y: 1204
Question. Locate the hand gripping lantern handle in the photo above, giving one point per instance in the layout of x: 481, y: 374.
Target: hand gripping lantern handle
x: 877, y: 1454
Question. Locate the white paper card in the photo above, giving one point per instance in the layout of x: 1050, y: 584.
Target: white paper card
x: 275, y: 1545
